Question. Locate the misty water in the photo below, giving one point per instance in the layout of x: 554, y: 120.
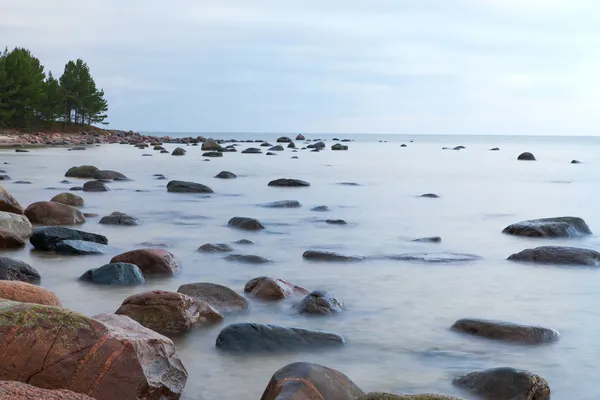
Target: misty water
x: 398, y: 313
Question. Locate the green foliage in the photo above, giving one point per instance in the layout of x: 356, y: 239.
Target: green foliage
x: 30, y: 99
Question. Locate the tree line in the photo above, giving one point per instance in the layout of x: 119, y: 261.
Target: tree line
x: 30, y: 99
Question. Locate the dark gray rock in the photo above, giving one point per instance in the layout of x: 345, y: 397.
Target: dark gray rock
x: 284, y: 139
x: 349, y: 184
x: 526, y: 157
x: 266, y: 144
x: 271, y: 154
x: 291, y: 145
x: 550, y: 227
x: 16, y: 270
x: 430, y: 195
x: 118, y: 218
x: 320, y: 302
x: 212, y: 154
x: 187, y: 187
x: 505, y: 384
x: 285, y: 182
x: 115, y: 274
x: 109, y: 175
x: 226, y: 175
x: 162, y: 152
x: 21, y: 151
x: 320, y: 209
x: 249, y: 224
x: 561, y: 255
x: 252, y: 150
x: 282, y: 204
x: 323, y: 255
x: 22, y: 183
x: 79, y: 247
x: 501, y: 330
x: 253, y: 337
x: 247, y: 258
x: 244, y: 242
x: 316, y: 146
x: 47, y: 238
x: 339, y: 146
x: 178, y: 152
x: 459, y: 148
x: 430, y: 239
x: 160, y: 177
x: 76, y: 189
x: 435, y: 257
x: 336, y: 222
x: 215, y: 248
x: 4, y: 178
x: 575, y: 162
x: 95, y: 186
x: 276, y: 148
x: 495, y: 149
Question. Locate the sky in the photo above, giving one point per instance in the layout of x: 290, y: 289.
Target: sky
x: 318, y: 66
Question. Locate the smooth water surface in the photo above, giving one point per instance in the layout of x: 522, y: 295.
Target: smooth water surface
x: 398, y: 313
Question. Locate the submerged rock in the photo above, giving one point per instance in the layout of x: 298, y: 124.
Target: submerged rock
x: 69, y: 199
x: 320, y: 209
x: 119, y: 218
x: 302, y: 380
x: 429, y: 239
x: 267, y: 288
x: 526, y: 157
x: 323, y: 255
x: 505, y: 383
x: 16, y: 270
x: 244, y: 242
x: 284, y: 182
x: 276, y: 148
x: 114, y: 274
x: 212, y: 154
x: 430, y: 195
x: 550, y: 227
x: 336, y: 222
x: 575, y: 162
x: 109, y: 175
x: 435, y: 257
x: 220, y: 297
x: 83, y: 171
x: 252, y: 150
x: 215, y: 248
x: 151, y: 261
x: 79, y: 247
x: 247, y: 258
x: 47, y: 238
x: 320, y: 302
x: 187, y: 187
x: 95, y: 186
x: 284, y: 139
x: 282, y: 204
x: 8, y: 203
x: 560, y: 255
x: 51, y: 214
x: 249, y: 224
x: 495, y: 149
x: 339, y: 146
x: 178, y: 152
x: 27, y: 293
x: 210, y: 145
x: 508, y: 331
x: 253, y: 337
x: 226, y: 175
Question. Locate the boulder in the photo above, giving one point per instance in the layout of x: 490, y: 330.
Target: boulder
x: 8, y: 203
x: 79, y: 247
x: 526, y: 157
x: 187, y: 187
x: 16, y: 224
x: 12, y: 390
x: 215, y: 248
x: 292, y: 145
x: 388, y: 396
x: 320, y: 302
x: 267, y: 288
x: 119, y: 218
x: 550, y: 227
x: 253, y: 337
x: 248, y: 224
x: 220, y: 297
x: 336, y: 222
x: 248, y: 258
x: 429, y: 239
x: 168, y: 313
x: 212, y: 154
x: 109, y: 357
x: 284, y: 139
x: 210, y: 144
x: 276, y: 148
x: 109, y: 175
x: 150, y: 261
x: 48, y: 238
x: 323, y: 255
x: 304, y: 381
x: 68, y: 199
x: 300, y: 137
x: 27, y: 293
x: 114, y: 274
x: 252, y: 150
x: 95, y: 186
x: 16, y: 270
x: 284, y: 182
x: 226, y: 175
x: 561, y: 255
x: 505, y: 383
x: 339, y: 146
x: 316, y: 146
x: 83, y: 171
x: 178, y: 152
x: 50, y: 213
x: 282, y: 204
x: 10, y: 240
x: 508, y: 331
x: 320, y: 209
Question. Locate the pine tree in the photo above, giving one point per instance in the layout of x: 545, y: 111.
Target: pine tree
x: 83, y: 102
x: 6, y: 92
x: 52, y: 105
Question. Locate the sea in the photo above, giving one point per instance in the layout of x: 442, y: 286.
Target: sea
x: 398, y: 313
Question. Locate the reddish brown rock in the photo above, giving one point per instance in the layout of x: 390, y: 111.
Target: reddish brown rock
x: 220, y: 297
x: 8, y: 203
x: 27, y: 293
x: 50, y: 213
x: 107, y: 358
x: 9, y: 240
x: 168, y: 313
x: 150, y: 261
x: 300, y: 381
x: 268, y: 288
x: 69, y: 199
x: 21, y: 391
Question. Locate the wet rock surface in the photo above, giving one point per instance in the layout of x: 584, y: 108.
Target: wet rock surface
x: 559, y: 255
x: 508, y: 331
x: 505, y: 383
x: 222, y: 298
x: 320, y: 302
x: 248, y: 224
x: 550, y: 227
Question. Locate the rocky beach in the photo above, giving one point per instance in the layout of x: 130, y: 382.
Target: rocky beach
x: 274, y: 267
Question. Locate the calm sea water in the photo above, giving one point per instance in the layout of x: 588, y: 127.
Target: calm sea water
x: 399, y: 313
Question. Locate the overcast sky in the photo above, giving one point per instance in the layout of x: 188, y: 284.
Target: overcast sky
x: 389, y: 66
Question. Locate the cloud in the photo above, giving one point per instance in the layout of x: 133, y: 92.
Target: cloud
x: 465, y: 66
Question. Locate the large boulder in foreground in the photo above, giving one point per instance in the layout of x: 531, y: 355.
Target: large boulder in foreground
x: 48, y: 238
x: 220, y: 297
x: 248, y: 224
x: 109, y: 357
x: 27, y: 293
x: 550, y: 227
x: 12, y: 390
x: 285, y: 182
x: 505, y: 383
x: 150, y: 261
x: 8, y: 203
x: 50, y: 213
x: 69, y: 199
x: 253, y: 337
x: 508, y: 331
x: 16, y: 270
x: 267, y: 288
x: 187, y: 187
x: 114, y: 274
x: 17, y: 224
x: 168, y: 313
x: 83, y: 171
x: 301, y: 380
x: 320, y: 302
x: 561, y: 255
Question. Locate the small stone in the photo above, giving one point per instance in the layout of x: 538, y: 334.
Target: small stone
x: 320, y: 302
x: 215, y: 248
x: 226, y: 175
x: 249, y: 224
x: 320, y: 209
x: 430, y: 239
x: 430, y: 196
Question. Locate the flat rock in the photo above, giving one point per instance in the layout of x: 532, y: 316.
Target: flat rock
x: 304, y: 381
x: 47, y: 238
x: 212, y: 154
x: 187, y: 187
x: 119, y: 218
x: 501, y: 330
x: 79, y: 247
x: 109, y: 175
x: 248, y: 224
x: 8, y: 203
x: 267, y: 288
x: 560, y: 255
x: 336, y: 222
x: 285, y: 182
x: 430, y: 195
x: 16, y: 270
x: 323, y: 255
x: 52, y: 214
x: 95, y: 186
x: 320, y: 302
x: 435, y: 257
x: 253, y: 337
x: 320, y: 209
x: 429, y: 239
x: 277, y: 148
x: 526, y: 157
x: 575, y: 162
x: 248, y: 258
x: 215, y: 248
x: 505, y: 383
x: 69, y: 199
x: 11, y: 390
x: 25, y: 292
x: 550, y: 227
x: 226, y: 175
x: 220, y: 297
x: 282, y: 204
x: 151, y: 261
x: 114, y: 274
